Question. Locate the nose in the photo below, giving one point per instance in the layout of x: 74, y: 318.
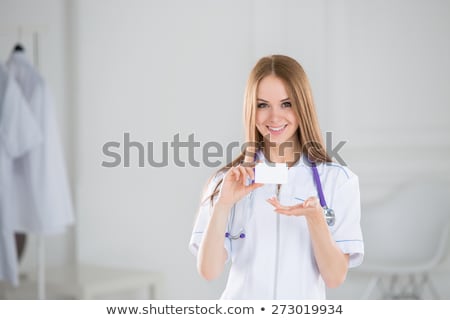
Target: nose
x: 275, y: 115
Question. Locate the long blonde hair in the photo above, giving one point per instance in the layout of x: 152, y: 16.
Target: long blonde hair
x: 299, y: 90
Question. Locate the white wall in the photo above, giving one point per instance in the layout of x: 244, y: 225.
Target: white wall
x: 379, y: 70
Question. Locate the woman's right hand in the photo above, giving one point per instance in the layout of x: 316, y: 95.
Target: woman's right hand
x: 235, y: 185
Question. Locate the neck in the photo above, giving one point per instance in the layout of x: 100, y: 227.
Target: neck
x: 287, y: 152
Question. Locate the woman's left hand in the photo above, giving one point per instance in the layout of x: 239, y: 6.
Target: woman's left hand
x: 309, y: 207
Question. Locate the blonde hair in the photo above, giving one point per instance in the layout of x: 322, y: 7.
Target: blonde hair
x: 299, y: 90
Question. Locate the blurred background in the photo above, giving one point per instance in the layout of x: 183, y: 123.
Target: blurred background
x: 380, y: 74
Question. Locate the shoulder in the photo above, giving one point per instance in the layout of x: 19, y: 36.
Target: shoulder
x: 339, y: 169
x: 211, y: 185
x: 215, y: 178
x: 340, y: 174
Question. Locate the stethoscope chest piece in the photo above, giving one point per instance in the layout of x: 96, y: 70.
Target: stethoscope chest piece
x: 329, y: 216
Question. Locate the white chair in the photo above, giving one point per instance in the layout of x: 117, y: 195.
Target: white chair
x: 405, y: 238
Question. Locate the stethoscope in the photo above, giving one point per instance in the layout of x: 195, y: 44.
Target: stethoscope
x: 328, y: 212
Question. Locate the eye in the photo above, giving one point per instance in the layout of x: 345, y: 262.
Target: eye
x: 262, y: 105
x: 286, y: 104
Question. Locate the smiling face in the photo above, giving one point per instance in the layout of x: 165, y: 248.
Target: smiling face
x: 275, y: 116
x: 281, y: 112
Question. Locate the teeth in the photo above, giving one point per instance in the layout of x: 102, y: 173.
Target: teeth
x: 277, y: 129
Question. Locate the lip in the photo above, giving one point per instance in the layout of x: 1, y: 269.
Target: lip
x: 276, y: 132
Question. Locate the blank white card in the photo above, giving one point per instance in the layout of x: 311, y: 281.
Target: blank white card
x: 276, y: 173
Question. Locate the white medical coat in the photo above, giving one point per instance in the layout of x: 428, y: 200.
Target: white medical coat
x: 276, y: 259
x: 19, y: 134
x: 41, y: 184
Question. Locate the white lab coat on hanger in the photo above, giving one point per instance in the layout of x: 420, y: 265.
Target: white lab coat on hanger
x: 19, y: 134
x: 41, y: 179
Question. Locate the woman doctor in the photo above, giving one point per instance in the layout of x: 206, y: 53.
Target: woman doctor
x: 277, y: 236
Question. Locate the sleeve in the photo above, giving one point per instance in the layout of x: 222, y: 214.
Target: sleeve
x: 201, y: 223
x: 347, y: 229
x: 19, y: 130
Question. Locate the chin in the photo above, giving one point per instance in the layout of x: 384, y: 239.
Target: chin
x: 280, y: 139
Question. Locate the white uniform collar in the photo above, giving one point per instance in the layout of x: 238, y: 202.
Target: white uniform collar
x: 300, y: 162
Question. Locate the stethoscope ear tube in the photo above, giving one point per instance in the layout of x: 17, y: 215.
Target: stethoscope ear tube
x: 241, y: 235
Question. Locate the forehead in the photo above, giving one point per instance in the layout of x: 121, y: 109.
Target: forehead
x: 271, y: 87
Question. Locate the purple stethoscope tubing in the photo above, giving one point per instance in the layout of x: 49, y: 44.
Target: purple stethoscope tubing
x: 316, y: 177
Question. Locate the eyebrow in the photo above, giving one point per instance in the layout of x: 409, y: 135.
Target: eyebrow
x: 283, y: 100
